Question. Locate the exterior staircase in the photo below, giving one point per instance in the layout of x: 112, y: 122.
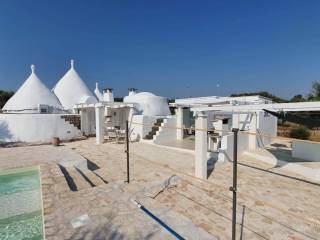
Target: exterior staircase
x: 75, y: 120
x: 81, y: 178
x: 154, y: 129
x: 163, y: 130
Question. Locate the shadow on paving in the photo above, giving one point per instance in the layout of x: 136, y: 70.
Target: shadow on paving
x: 107, y: 232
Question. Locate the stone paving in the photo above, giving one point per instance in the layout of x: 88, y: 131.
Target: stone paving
x: 186, y: 143
x: 269, y: 206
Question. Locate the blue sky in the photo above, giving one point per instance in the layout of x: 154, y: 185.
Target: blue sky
x: 172, y: 48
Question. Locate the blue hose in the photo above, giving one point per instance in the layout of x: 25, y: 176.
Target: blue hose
x: 170, y: 230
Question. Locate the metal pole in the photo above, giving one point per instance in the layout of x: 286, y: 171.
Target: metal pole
x: 127, y: 151
x: 234, y: 187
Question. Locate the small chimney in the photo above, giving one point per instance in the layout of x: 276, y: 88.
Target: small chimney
x: 108, y: 95
x: 132, y: 91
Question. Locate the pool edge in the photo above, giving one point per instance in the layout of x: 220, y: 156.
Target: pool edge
x: 41, y: 199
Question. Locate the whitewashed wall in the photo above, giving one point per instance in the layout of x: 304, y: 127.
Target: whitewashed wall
x: 306, y: 150
x: 140, y: 126
x: 118, y: 116
x: 226, y: 150
x: 88, y: 122
x: 35, y: 128
x: 241, y: 121
x: 267, y: 125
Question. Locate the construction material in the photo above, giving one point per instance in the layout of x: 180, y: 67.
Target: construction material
x: 80, y: 221
x: 160, y: 186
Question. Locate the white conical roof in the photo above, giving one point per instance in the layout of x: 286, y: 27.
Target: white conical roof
x: 72, y: 90
x: 98, y: 93
x: 32, y: 93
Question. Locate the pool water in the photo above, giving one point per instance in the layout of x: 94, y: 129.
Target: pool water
x: 20, y: 205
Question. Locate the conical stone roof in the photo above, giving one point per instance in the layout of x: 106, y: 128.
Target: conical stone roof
x: 72, y: 90
x: 32, y: 93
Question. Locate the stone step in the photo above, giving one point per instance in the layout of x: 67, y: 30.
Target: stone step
x: 78, y: 179
x: 95, y: 178
x: 159, y: 120
x: 148, y: 137
x: 73, y: 120
x: 108, y: 174
x: 155, y: 128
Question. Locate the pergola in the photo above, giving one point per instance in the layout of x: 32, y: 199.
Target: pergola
x: 201, y: 114
x: 99, y: 109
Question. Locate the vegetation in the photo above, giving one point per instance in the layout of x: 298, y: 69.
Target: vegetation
x: 315, y: 92
x: 263, y: 94
x: 300, y: 133
x: 118, y: 99
x: 4, y: 97
x: 297, y: 98
x: 314, y: 95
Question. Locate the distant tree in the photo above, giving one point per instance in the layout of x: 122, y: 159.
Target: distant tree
x: 300, y: 133
x: 297, y: 98
x: 315, y: 92
x: 171, y: 100
x: 118, y: 99
x: 4, y: 97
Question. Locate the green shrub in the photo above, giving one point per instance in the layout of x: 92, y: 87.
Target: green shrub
x: 300, y: 133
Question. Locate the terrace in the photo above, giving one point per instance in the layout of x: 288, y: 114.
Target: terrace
x: 271, y: 205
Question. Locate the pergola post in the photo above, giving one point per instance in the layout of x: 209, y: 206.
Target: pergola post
x: 253, y: 132
x: 179, y: 114
x: 201, y: 140
x: 235, y: 120
x: 99, y: 124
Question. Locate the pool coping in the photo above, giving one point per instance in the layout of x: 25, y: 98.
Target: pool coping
x: 41, y: 199
x: 18, y: 170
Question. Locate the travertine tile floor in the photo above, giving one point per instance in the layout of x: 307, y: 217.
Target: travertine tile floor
x: 269, y: 206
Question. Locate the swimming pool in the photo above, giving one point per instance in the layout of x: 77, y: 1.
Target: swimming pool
x: 20, y: 204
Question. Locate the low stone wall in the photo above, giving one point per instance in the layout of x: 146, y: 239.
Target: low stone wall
x: 36, y: 128
x: 226, y: 150
x: 306, y: 150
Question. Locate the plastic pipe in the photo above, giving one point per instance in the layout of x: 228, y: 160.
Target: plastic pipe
x: 150, y: 214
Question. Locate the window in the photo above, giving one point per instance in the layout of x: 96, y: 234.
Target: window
x: 225, y: 121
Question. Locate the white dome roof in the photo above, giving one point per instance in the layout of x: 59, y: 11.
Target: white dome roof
x: 145, y: 94
x: 72, y: 90
x: 149, y: 104
x: 32, y: 93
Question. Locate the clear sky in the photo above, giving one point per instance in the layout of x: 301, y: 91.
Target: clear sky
x: 172, y: 48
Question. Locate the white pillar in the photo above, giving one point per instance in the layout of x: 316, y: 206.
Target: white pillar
x: 179, y: 115
x: 253, y: 132
x: 201, y: 145
x: 100, y: 124
x: 84, y: 121
x: 130, y: 114
x: 235, y: 120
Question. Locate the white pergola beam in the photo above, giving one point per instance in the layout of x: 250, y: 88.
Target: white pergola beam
x: 276, y: 107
